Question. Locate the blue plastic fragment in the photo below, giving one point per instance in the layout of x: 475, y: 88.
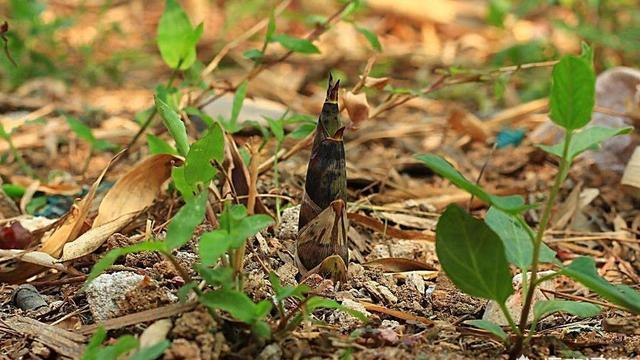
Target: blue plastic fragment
x: 508, y: 137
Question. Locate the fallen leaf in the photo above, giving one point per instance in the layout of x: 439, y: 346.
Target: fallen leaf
x: 15, y: 236
x: 379, y: 226
x: 398, y: 265
x: 357, y: 108
x: 466, y: 123
x: 130, y: 195
x: 376, y: 83
x: 68, y: 230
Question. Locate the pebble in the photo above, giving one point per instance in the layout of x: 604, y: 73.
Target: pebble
x: 104, y: 293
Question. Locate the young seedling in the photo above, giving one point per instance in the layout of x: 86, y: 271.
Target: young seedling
x: 323, y: 223
x: 476, y: 254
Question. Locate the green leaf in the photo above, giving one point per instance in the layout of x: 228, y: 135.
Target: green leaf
x: 175, y: 126
x: 13, y: 190
x: 124, y: 344
x: 234, y: 302
x: 197, y: 166
x: 587, y: 52
x: 221, y: 276
x: 248, y: 227
x: 295, y: 44
x: 276, y: 128
x: 159, y: 146
x: 491, y: 327
x: 213, y: 245
x: 510, y: 204
x: 583, y: 270
x: 176, y: 37
x: 283, y: 292
x: 103, y: 145
x: 181, y: 228
x: 587, y: 139
x: 261, y: 329
x: 253, y: 54
x: 516, y: 240
x: 472, y: 255
x: 91, y: 351
x: 575, y: 308
x: 151, y: 352
x: 498, y: 10
x: 113, y: 255
x: 185, y: 290
x: 371, y: 37
x: 317, y: 302
x: 81, y: 130
x: 271, y: 28
x: 238, y: 99
x: 4, y: 134
x: 263, y: 308
x: 180, y: 182
x: 302, y: 131
x: 572, y: 92
x: 206, y: 118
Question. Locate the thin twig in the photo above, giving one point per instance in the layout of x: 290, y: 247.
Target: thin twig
x: 258, y: 68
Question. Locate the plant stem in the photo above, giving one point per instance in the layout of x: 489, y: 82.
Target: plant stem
x: 563, y: 169
x: 509, y: 318
x: 184, y: 274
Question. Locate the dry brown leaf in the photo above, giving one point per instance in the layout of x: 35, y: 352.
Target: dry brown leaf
x: 357, y: 108
x: 396, y: 313
x: 68, y: 230
x: 376, y: 83
x: 398, y: 265
x: 379, y: 226
x: 409, y: 220
x: 133, y: 193
x: 466, y: 123
x: 34, y: 257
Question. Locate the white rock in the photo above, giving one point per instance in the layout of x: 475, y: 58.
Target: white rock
x: 104, y: 293
x: 417, y: 281
x: 514, y: 303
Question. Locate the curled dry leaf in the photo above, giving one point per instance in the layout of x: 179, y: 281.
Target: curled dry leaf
x: 133, y: 193
x: 376, y: 83
x: 357, y: 108
x: 35, y: 258
x: 68, y: 230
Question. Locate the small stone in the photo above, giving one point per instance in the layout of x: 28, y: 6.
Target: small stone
x: 288, y: 228
x: 493, y: 312
x: 287, y: 274
x: 271, y: 352
x: 380, y: 292
x: 348, y: 321
x: 104, y: 293
x: 417, y: 281
x: 191, y: 324
x: 182, y: 349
